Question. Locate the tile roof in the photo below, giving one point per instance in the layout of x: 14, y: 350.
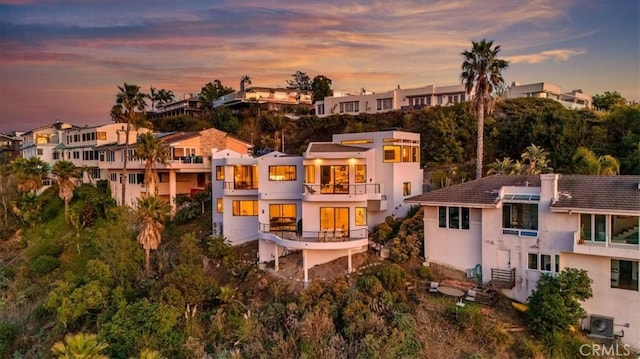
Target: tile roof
x: 575, y: 192
x: 334, y: 147
x: 599, y: 192
x: 480, y: 192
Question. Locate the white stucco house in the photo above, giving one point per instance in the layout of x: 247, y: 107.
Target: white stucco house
x: 518, y: 227
x: 323, y: 203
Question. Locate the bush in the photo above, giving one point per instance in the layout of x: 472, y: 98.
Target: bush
x: 370, y: 285
x: 392, y: 277
x: 8, y: 335
x: 424, y: 273
x: 43, y: 265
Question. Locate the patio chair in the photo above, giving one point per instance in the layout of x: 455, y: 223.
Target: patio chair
x: 434, y: 287
x: 471, y: 295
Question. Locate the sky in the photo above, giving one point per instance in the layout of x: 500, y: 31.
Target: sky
x: 64, y: 59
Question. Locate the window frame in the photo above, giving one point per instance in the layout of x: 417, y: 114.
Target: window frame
x: 286, y: 176
x: 237, y: 209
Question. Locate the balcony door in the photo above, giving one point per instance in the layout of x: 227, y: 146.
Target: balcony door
x: 335, y: 219
x: 334, y: 179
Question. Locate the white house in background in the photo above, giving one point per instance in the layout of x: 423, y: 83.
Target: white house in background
x: 397, y: 99
x: 518, y: 227
x: 323, y: 203
x: 264, y: 98
x: 40, y: 142
x: 575, y: 99
x: 188, y: 170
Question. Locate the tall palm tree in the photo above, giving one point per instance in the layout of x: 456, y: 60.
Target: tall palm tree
x: 150, y: 214
x: 153, y: 96
x: 587, y: 162
x: 482, y: 72
x: 535, y: 160
x: 279, y: 124
x: 65, y: 172
x: 129, y: 108
x: 152, y: 150
x: 244, y: 80
x: 79, y: 345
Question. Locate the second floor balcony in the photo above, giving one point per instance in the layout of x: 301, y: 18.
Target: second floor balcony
x: 240, y: 188
x: 349, y: 191
x: 607, y: 246
x: 314, y: 239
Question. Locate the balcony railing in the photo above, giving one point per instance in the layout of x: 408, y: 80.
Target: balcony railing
x: 358, y: 188
x: 189, y: 159
x: 520, y: 232
x: 503, y: 278
x: 336, y: 235
x: 240, y: 185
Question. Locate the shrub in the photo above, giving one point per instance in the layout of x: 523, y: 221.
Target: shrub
x: 392, y: 277
x: 8, y: 334
x: 370, y: 285
x: 424, y: 273
x: 43, y: 265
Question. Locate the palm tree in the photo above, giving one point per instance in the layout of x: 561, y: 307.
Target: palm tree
x: 129, y: 108
x: 587, y: 162
x: 535, y: 160
x: 65, y: 171
x: 245, y: 80
x: 81, y: 345
x: 152, y: 150
x: 279, y: 124
x: 504, y: 167
x: 153, y: 96
x: 482, y: 72
x: 31, y: 172
x: 150, y: 214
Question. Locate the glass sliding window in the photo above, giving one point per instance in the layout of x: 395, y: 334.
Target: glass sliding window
x: 533, y: 261
x: 545, y: 262
x: 586, y: 233
x: 442, y: 217
x: 335, y: 220
x: 245, y: 177
x: 283, y: 217
x: 334, y: 179
x: 454, y: 217
x: 219, y: 173
x: 361, y: 173
x: 391, y: 153
x: 600, y: 227
x: 406, y: 154
x: 520, y: 216
x: 624, y: 274
x: 245, y: 208
x: 282, y: 173
x: 465, y: 218
x: 309, y: 174
x: 624, y: 229
x: 361, y: 216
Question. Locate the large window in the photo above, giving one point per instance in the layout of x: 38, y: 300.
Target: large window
x: 361, y: 216
x: 384, y: 104
x: 334, y: 179
x: 245, y: 177
x: 614, y: 228
x: 624, y: 229
x: 453, y: 217
x: 624, y: 274
x: 543, y: 262
x: 245, y: 208
x: 309, y: 174
x: 520, y: 216
x: 219, y: 173
x: 335, y: 220
x: 352, y: 106
x: 391, y: 153
x: 361, y: 173
x: 283, y: 217
x: 282, y: 173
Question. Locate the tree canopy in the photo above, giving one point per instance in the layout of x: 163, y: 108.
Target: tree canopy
x: 299, y: 81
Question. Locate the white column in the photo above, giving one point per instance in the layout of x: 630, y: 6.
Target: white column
x: 277, y: 266
x: 349, y: 266
x: 172, y: 190
x: 304, y: 265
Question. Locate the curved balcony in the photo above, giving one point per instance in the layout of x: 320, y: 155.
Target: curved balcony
x: 323, y: 240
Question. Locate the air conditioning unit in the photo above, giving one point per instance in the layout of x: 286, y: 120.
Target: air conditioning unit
x: 601, y: 326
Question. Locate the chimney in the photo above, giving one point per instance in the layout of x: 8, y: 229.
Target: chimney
x: 549, y: 187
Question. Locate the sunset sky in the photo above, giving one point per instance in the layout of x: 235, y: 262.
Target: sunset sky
x: 63, y: 60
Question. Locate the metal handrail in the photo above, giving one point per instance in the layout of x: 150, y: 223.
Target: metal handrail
x: 357, y: 188
x: 335, y: 235
x: 240, y: 185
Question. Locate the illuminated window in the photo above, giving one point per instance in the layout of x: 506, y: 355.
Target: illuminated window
x: 334, y: 219
x: 219, y: 173
x: 245, y: 177
x: 219, y: 205
x: 309, y: 174
x: 282, y: 173
x: 356, y: 142
x: 406, y: 188
x: 406, y: 154
x: 361, y: 216
x: 391, y: 153
x: 245, y: 208
x: 415, y: 154
x: 283, y: 217
x: 361, y: 173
